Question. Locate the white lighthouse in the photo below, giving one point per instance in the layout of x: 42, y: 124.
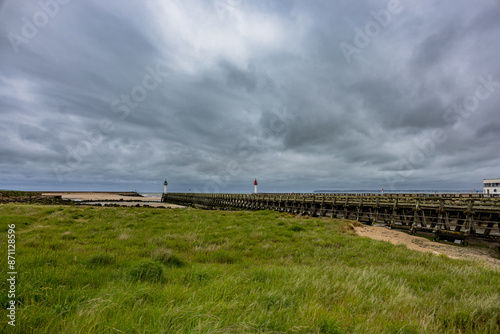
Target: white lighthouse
x: 165, y: 184
x: 255, y: 184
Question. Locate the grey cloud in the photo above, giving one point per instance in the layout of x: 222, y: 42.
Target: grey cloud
x: 487, y: 19
x: 437, y: 45
x: 265, y: 93
x: 240, y: 78
x: 490, y: 131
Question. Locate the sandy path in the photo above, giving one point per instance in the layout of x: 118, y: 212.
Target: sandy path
x: 484, y: 255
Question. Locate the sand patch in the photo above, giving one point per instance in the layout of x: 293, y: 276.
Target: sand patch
x: 487, y: 256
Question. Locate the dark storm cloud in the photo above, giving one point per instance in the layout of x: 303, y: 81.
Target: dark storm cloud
x: 487, y: 19
x: 121, y: 95
x: 240, y: 78
x: 491, y: 131
x: 436, y: 46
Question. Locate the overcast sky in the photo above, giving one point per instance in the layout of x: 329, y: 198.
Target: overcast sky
x: 300, y: 94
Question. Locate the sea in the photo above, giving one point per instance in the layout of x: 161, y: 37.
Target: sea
x: 409, y: 191
x: 359, y: 191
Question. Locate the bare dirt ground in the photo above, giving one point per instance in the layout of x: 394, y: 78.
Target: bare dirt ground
x: 486, y: 256
x: 103, y: 197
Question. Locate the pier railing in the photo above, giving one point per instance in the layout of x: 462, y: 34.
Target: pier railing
x: 447, y: 216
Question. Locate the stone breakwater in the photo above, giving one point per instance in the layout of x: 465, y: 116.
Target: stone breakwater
x: 31, y: 198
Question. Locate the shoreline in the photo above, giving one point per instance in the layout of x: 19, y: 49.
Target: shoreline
x: 110, y: 198
x: 101, y: 196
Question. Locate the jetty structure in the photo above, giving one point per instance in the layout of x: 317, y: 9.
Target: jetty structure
x: 461, y: 218
x: 491, y: 187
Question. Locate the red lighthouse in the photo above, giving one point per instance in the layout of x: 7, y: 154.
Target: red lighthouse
x: 255, y: 186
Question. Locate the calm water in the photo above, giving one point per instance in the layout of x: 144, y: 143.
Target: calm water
x: 366, y: 192
x: 399, y: 191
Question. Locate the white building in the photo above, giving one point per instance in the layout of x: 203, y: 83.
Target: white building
x: 491, y: 187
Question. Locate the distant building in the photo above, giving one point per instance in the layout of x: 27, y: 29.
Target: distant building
x: 491, y: 187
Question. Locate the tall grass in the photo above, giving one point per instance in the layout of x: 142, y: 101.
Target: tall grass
x: 146, y: 270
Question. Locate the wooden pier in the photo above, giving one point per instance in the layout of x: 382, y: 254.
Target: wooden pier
x: 464, y: 217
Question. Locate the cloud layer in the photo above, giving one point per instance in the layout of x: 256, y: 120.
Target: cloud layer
x: 302, y: 95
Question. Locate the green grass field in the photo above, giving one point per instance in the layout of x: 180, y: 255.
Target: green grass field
x: 144, y: 270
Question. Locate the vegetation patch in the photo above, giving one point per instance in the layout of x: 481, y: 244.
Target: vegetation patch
x: 168, y: 258
x: 296, y: 228
x: 330, y: 326
x: 146, y: 271
x: 102, y: 259
x: 222, y: 256
x: 68, y: 236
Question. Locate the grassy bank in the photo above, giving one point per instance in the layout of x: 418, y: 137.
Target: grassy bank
x: 144, y: 270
